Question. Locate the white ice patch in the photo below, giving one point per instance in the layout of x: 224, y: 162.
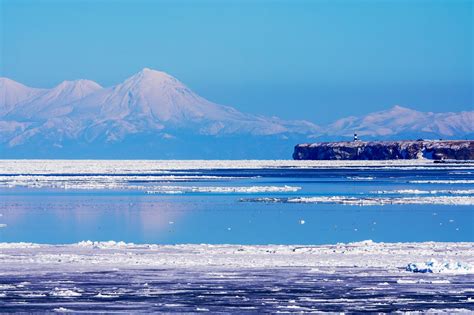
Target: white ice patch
x: 19, y: 245
x: 97, y: 181
x: 89, y: 255
x: 66, y: 293
x: 360, y: 178
x: 433, y: 266
x: 425, y: 192
x: 163, y: 166
x: 126, y: 182
x: 221, y: 189
x: 442, y: 181
x: 102, y: 245
x: 372, y: 201
x: 62, y: 310
x: 104, y: 296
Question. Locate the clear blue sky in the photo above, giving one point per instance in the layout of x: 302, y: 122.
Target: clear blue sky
x: 318, y: 60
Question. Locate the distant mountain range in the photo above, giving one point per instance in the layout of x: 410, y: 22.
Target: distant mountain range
x: 153, y: 115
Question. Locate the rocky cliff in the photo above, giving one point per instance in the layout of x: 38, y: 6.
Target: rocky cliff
x: 386, y: 150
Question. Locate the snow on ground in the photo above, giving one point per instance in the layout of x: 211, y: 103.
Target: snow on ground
x: 158, y: 166
x: 372, y: 201
x: 88, y: 255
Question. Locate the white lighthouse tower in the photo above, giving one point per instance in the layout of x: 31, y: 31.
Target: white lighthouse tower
x: 355, y: 137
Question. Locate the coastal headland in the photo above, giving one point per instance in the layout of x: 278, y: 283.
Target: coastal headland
x: 386, y: 150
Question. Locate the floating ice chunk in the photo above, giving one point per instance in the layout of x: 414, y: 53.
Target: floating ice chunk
x: 104, y: 296
x: 443, y: 181
x: 96, y: 182
x: 362, y: 178
x: 102, y: 245
x: 59, y: 292
x: 372, y: 201
x: 426, y: 192
x: 440, y: 281
x: 19, y: 245
x: 33, y: 295
x: 433, y: 266
x: 407, y: 281
x: 62, y: 310
x: 221, y: 189
x: 363, y: 243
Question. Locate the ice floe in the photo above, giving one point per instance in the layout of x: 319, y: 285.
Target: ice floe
x: 95, y: 182
x: 222, y: 189
x: 361, y: 178
x: 434, y: 266
x: 443, y: 181
x: 62, y: 310
x: 371, y: 201
x: 92, y: 255
x: 163, y: 166
x: 426, y: 192
x: 66, y: 293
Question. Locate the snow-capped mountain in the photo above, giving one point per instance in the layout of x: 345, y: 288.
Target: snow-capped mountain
x: 402, y: 122
x: 152, y: 114
x: 54, y: 102
x: 150, y: 104
x: 12, y: 93
x: 154, y: 100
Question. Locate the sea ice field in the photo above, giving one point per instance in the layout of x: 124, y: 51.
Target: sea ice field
x: 236, y: 236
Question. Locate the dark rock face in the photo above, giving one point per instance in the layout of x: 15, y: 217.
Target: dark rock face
x: 386, y: 150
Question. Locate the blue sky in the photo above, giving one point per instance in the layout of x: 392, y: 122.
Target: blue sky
x: 317, y: 60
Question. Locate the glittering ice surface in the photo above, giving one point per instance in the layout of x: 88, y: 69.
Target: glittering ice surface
x: 118, y: 276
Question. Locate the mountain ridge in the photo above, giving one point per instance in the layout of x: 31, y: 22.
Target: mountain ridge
x: 399, y: 119
x: 155, y: 108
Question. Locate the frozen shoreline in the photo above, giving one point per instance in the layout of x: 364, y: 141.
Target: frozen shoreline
x: 119, y: 277
x: 88, y: 255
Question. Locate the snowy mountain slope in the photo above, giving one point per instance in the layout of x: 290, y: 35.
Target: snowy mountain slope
x: 154, y: 100
x: 12, y: 93
x: 400, y: 120
x: 52, y: 103
x: 150, y: 102
x: 153, y: 111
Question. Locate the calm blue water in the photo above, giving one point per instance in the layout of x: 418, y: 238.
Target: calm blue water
x: 56, y: 215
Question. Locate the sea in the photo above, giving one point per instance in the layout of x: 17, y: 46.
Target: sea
x: 232, y: 202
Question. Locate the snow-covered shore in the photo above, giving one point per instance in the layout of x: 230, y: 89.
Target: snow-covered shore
x: 120, y: 277
x: 88, y: 255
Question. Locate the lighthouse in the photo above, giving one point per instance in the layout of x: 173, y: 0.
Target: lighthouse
x: 355, y: 137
